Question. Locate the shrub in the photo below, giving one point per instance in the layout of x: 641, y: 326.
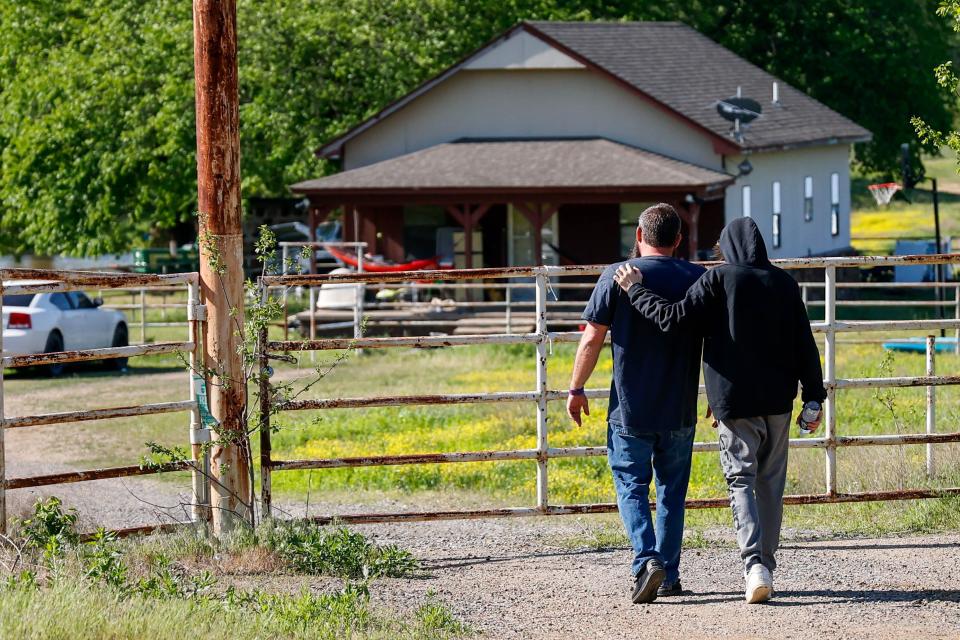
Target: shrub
x: 340, y: 552
x: 51, y: 528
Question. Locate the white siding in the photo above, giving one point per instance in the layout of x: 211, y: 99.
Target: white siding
x: 523, y: 103
x: 798, y: 237
x: 523, y: 51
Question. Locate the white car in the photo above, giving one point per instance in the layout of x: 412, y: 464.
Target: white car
x: 47, y: 322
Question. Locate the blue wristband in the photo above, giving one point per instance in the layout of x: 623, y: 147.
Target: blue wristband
x: 577, y: 392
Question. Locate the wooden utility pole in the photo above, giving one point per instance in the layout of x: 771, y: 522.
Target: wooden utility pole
x: 221, y: 253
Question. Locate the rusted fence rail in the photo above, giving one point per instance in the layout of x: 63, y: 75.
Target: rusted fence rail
x: 12, y: 282
x: 542, y: 337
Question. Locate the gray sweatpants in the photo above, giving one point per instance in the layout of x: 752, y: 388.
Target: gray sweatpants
x: 753, y: 453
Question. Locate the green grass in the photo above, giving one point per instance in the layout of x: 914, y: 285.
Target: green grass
x: 71, y: 610
x: 944, y: 169
x: 164, y: 586
x: 342, y: 433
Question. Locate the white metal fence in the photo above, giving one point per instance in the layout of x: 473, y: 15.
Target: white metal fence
x: 542, y: 394
x: 54, y: 281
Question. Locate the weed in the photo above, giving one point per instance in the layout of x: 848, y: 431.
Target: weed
x: 25, y: 579
x: 599, y: 537
x: 104, y: 561
x: 340, y: 552
x: 434, y: 618
x: 51, y: 529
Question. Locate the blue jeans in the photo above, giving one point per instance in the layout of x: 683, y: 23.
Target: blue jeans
x: 633, y: 460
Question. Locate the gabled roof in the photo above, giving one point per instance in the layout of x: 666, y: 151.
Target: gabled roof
x: 514, y: 166
x: 684, y: 70
x: 678, y: 69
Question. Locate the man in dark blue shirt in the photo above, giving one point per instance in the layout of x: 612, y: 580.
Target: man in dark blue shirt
x: 653, y: 401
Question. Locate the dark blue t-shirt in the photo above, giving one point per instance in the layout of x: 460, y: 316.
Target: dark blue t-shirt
x: 655, y: 374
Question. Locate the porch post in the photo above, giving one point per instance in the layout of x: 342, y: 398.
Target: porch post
x: 468, y: 218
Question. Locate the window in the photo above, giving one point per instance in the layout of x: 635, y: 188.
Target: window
x: 629, y: 221
x: 59, y: 300
x: 420, y: 224
x: 834, y: 204
x: 808, y: 198
x: 80, y: 300
x: 776, y: 214
x: 17, y: 299
x: 745, y: 201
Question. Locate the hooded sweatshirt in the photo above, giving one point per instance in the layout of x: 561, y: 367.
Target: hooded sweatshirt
x: 757, y: 339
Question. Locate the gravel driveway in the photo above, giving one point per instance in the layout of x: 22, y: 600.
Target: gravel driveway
x: 509, y: 579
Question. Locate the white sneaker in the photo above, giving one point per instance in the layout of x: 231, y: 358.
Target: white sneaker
x: 759, y: 584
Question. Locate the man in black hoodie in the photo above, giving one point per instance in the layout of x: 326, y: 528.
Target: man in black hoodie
x: 757, y: 346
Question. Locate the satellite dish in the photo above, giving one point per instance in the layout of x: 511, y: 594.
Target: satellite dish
x: 739, y: 109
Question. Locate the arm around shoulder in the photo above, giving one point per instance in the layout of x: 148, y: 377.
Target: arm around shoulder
x: 667, y: 315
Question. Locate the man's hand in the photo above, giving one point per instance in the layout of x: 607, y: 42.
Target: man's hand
x: 576, y: 404
x: 627, y: 275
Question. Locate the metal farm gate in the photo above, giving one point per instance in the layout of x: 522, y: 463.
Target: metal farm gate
x: 542, y: 394
x: 49, y: 281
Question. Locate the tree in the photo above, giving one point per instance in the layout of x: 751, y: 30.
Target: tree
x: 97, y: 146
x: 932, y: 135
x: 96, y: 123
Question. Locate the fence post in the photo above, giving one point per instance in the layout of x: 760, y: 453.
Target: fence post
x: 509, y: 318
x: 283, y: 270
x: 359, y: 290
x: 931, y: 402
x: 3, y: 466
x: 266, y: 402
x: 313, y: 313
x: 542, y: 497
x: 199, y: 433
x: 830, y: 410
x: 805, y: 294
x: 143, y: 316
x: 956, y: 315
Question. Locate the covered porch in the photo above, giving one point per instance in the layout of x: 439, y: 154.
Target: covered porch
x: 494, y: 203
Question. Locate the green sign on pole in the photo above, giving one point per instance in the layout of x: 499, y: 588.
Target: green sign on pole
x: 206, y: 418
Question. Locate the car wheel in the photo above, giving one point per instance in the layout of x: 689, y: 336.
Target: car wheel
x: 54, y: 344
x: 120, y: 339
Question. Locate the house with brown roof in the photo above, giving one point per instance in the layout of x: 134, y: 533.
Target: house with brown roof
x: 543, y: 146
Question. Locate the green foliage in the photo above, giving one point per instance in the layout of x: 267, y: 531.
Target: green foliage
x: 930, y: 132
x: 104, y: 574
x: 338, y: 552
x: 435, y: 618
x: 97, y: 109
x: 162, y: 606
x: 327, y: 614
x: 96, y: 123
x: 51, y: 528
x: 159, y: 455
x: 103, y: 560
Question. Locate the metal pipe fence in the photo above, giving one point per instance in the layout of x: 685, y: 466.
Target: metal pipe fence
x: 518, y: 313
x: 77, y: 280
x: 544, y: 338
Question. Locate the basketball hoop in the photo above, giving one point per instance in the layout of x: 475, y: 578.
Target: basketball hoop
x: 883, y: 192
